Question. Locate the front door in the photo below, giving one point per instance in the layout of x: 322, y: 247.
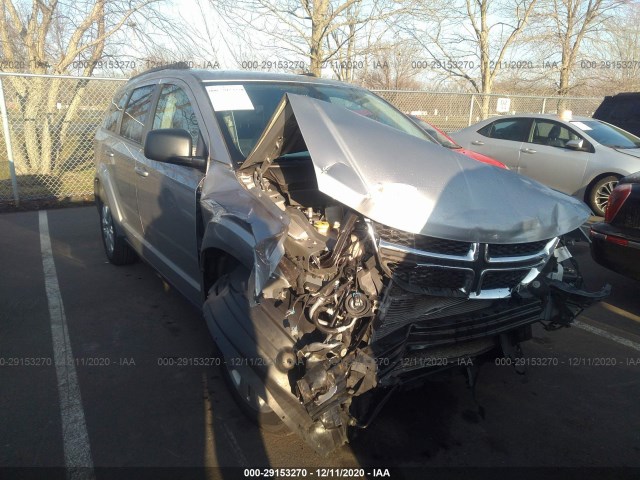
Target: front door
x: 167, y: 196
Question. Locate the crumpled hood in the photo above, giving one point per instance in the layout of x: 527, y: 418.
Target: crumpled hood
x: 410, y: 184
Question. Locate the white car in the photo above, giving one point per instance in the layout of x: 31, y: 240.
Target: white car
x: 579, y: 156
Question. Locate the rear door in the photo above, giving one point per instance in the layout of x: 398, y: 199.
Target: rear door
x: 167, y: 194
x: 123, y: 152
x: 503, y: 140
x: 545, y: 157
x: 107, y: 137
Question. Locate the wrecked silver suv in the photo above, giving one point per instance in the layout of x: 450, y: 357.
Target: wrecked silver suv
x: 338, y: 253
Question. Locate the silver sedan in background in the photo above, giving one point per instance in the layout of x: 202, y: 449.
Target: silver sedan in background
x: 579, y: 156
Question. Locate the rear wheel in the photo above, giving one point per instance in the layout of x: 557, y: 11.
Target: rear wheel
x: 599, y: 193
x: 116, y: 248
x: 251, y: 402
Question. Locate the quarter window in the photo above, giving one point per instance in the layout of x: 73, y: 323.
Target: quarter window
x: 136, y: 113
x: 515, y: 129
x: 174, y: 110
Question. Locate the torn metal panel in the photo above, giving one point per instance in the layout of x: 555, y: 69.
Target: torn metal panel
x: 410, y: 184
x: 243, y: 220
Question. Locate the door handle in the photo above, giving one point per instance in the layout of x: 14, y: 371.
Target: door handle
x: 477, y: 142
x: 527, y: 150
x: 141, y: 171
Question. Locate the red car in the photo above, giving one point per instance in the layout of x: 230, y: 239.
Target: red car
x: 443, y: 139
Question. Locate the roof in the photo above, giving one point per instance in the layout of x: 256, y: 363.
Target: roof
x: 235, y: 75
x: 548, y: 116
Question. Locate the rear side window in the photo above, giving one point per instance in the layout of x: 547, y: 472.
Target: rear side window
x: 135, y: 115
x: 115, y: 111
x: 515, y: 129
x: 174, y: 110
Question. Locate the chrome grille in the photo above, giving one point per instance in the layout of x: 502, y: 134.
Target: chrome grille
x: 421, y: 242
x: 497, y: 250
x: 427, y: 265
x: 430, y: 276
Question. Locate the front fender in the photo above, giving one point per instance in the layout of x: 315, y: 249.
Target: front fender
x: 243, y: 222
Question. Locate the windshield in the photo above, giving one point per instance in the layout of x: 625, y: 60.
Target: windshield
x: 608, y: 134
x: 244, y: 108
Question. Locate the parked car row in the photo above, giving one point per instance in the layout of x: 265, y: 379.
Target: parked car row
x: 579, y: 156
x: 336, y: 251
x: 542, y: 147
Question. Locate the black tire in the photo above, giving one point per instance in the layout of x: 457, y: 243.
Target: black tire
x: 599, y: 193
x: 116, y: 248
x: 251, y: 404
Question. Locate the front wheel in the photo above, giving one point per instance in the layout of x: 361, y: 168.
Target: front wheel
x: 244, y: 392
x: 599, y: 194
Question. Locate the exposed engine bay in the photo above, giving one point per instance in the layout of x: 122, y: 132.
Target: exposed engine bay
x: 356, y: 320
x: 353, y: 304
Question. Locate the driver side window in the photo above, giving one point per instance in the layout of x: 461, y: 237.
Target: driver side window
x: 174, y: 110
x: 553, y: 134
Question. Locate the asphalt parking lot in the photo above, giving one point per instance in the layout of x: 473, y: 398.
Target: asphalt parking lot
x: 135, y: 399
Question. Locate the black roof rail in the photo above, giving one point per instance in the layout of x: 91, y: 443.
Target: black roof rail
x: 169, y: 66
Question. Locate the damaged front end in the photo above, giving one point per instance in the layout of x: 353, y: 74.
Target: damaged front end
x: 382, y: 259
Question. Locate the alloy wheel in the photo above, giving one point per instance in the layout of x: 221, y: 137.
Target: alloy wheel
x: 108, y: 232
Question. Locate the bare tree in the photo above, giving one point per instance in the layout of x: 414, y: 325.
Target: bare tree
x: 621, y: 44
x: 52, y: 37
x: 470, y: 39
x: 391, y: 68
x: 313, y: 29
x: 570, y: 24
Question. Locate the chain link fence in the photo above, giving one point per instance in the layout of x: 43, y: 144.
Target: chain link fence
x: 453, y: 111
x: 48, y: 125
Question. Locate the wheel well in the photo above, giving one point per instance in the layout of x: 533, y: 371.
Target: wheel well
x: 215, y: 263
x: 587, y: 191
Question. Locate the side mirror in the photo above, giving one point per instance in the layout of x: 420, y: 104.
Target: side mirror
x: 172, y: 145
x: 574, y: 144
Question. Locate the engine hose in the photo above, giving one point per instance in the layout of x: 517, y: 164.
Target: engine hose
x: 344, y: 236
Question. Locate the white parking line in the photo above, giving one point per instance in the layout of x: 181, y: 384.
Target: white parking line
x: 611, y: 336
x: 77, y: 451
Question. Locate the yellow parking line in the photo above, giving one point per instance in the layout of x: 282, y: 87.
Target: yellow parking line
x: 620, y: 311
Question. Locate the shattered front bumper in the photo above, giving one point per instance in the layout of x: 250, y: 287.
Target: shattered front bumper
x: 258, y: 333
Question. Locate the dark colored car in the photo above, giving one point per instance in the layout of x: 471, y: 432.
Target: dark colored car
x: 621, y: 110
x: 446, y: 141
x: 337, y: 254
x: 615, y: 243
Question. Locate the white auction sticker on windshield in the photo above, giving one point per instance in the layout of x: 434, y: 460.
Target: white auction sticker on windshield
x: 229, y: 97
x: 582, y: 126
